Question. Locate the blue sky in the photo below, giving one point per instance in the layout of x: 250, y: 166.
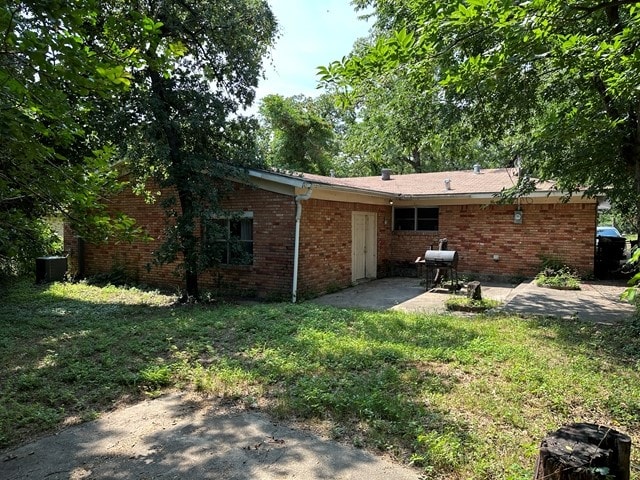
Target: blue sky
x: 312, y: 33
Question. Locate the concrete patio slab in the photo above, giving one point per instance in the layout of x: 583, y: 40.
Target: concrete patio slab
x: 595, y: 302
x: 174, y: 438
x: 405, y: 294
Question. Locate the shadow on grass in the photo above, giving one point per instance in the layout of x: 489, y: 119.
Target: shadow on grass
x: 368, y: 374
x: 70, y: 359
x: 375, y: 379
x: 606, y: 357
x: 188, y: 444
x: 66, y: 359
x: 618, y: 343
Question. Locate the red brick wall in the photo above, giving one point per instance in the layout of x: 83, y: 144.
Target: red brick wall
x: 273, y: 229
x: 325, y: 248
x: 271, y: 273
x: 562, y: 231
x: 130, y: 257
x: 325, y: 243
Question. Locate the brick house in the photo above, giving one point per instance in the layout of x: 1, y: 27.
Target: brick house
x: 307, y: 234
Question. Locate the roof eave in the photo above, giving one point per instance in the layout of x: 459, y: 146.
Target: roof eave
x: 358, y: 190
x: 302, y: 183
x: 476, y: 195
x: 279, y: 178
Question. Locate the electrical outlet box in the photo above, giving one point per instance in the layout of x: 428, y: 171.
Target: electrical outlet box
x: 517, y: 216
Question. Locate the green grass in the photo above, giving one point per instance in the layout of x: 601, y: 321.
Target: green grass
x: 464, y: 303
x: 460, y: 398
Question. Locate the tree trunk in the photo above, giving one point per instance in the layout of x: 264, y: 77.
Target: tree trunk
x: 193, y: 291
x: 584, y: 451
x: 189, y: 244
x: 636, y: 223
x: 416, y: 160
x: 186, y: 224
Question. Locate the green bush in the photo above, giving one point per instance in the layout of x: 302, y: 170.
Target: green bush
x: 19, y: 247
x: 563, y: 278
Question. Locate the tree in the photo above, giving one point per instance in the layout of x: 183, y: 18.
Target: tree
x: 411, y: 129
x: 298, y: 133
x: 86, y: 82
x: 557, y: 79
x: 55, y: 61
x: 405, y: 123
x: 178, y: 122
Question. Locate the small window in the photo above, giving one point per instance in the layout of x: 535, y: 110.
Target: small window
x: 416, y: 219
x: 228, y: 241
x: 405, y: 219
x: 427, y: 219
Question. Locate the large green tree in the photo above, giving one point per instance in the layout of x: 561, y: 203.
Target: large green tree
x: 55, y: 61
x: 402, y: 125
x: 555, y: 79
x: 299, y: 133
x: 179, y: 120
x: 84, y: 83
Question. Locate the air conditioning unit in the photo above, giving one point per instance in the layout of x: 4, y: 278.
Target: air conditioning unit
x: 50, y: 269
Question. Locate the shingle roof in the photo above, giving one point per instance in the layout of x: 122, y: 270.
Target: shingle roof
x: 465, y: 182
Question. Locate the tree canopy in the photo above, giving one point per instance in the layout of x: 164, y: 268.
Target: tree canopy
x: 179, y: 120
x: 299, y: 133
x: 86, y: 83
x: 555, y: 82
x: 411, y: 129
x: 55, y: 61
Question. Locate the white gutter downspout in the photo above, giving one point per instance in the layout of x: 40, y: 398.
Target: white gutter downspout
x: 296, y: 246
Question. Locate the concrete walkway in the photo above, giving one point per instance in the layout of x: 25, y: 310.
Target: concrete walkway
x: 599, y: 302
x: 594, y: 302
x: 173, y: 438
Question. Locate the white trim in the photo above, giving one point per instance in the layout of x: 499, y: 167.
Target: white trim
x: 279, y: 178
x: 301, y: 183
x: 233, y: 215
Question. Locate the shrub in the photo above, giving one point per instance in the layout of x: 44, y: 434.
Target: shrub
x: 558, y: 277
x: 19, y: 247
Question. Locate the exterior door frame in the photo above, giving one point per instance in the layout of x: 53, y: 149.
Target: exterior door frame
x: 364, y: 246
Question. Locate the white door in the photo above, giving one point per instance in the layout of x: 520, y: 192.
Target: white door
x: 364, y: 251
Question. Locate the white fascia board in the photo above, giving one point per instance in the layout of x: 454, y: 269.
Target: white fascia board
x: 304, y: 184
x: 281, y: 179
x: 355, y: 190
x: 491, y: 196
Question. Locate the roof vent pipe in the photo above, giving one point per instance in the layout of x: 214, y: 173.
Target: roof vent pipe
x: 386, y: 174
x: 447, y: 184
x: 476, y: 168
x: 332, y: 173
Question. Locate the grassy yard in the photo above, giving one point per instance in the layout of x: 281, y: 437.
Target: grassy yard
x: 459, y: 397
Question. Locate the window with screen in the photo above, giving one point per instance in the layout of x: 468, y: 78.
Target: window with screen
x: 228, y: 241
